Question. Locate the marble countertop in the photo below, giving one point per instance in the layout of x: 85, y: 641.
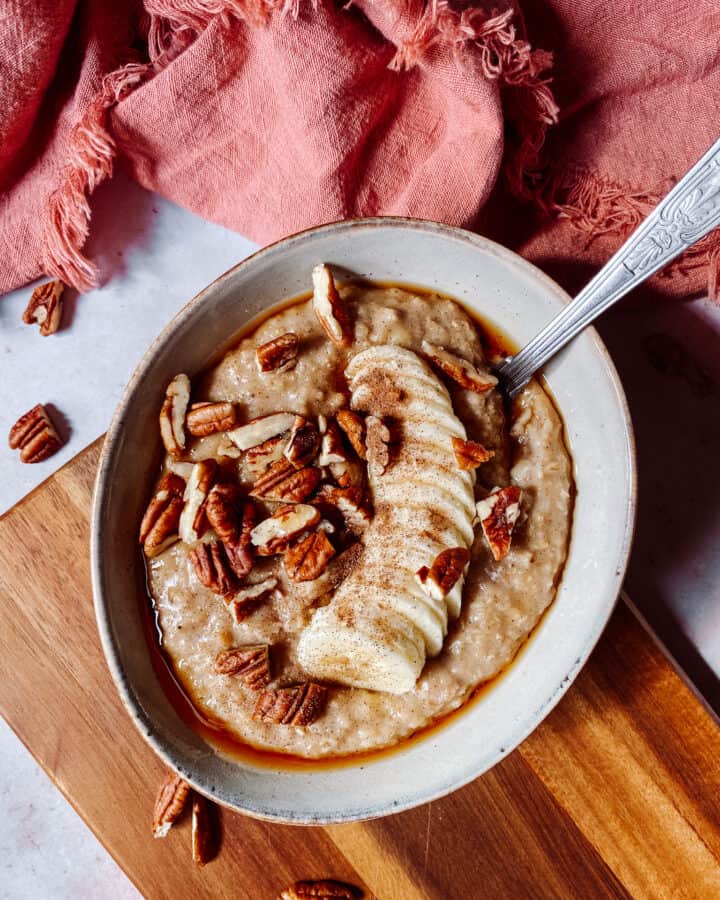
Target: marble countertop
x: 47, y: 850
x: 154, y: 256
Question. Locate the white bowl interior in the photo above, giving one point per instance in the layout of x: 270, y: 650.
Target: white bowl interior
x: 519, y: 299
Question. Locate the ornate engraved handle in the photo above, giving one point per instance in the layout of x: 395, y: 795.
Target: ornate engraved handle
x: 686, y: 214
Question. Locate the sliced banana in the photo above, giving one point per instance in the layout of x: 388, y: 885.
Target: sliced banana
x: 380, y: 627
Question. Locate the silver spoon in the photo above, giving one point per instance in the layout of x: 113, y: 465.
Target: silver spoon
x: 681, y: 219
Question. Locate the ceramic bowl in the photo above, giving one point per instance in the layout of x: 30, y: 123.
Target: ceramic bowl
x: 519, y: 299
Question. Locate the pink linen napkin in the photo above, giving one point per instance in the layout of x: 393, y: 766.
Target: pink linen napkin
x: 269, y: 116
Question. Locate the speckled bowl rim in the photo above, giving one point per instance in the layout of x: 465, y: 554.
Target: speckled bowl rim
x: 164, y: 748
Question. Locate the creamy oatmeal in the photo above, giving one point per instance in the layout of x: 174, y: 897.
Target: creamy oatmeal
x: 357, y: 590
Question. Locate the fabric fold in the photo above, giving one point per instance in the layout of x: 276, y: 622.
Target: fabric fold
x: 270, y: 116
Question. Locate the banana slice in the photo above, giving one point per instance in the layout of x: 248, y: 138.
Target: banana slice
x: 380, y: 626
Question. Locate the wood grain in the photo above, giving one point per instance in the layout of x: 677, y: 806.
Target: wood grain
x: 614, y: 795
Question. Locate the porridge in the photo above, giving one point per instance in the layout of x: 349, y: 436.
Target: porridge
x: 348, y: 536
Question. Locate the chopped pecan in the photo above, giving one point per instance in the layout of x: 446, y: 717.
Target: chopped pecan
x: 284, y: 482
x: 350, y: 473
x: 205, y: 830
x: 498, y: 514
x: 193, y: 521
x: 213, y: 569
x: 377, y: 439
x: 240, y: 551
x: 297, y: 705
x: 183, y: 469
x: 323, y: 889
x: 333, y: 449
x: 225, y: 447
x: 353, y: 425
x: 249, y: 598
x: 308, y: 558
x: 444, y: 573
x: 250, y: 664
x: 275, y: 534
x: 209, y: 418
x: 278, y: 355
x: 45, y: 307
x: 303, y: 445
x: 338, y: 569
x: 460, y: 370
x: 172, y: 415
x: 349, y: 502
x: 470, y: 454
x: 159, y: 527
x: 169, y: 804
x: 259, y: 459
x: 257, y: 431
x: 34, y: 435
x: 329, y: 308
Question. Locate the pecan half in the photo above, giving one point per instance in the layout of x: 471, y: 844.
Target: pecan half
x: 353, y: 425
x: 249, y: 598
x: 209, y: 418
x: 169, y: 804
x: 283, y: 481
x: 303, y: 445
x: 172, y: 415
x: 250, y: 664
x: 183, y: 469
x: 34, y: 435
x: 45, y: 307
x: 224, y: 510
x: 297, y: 705
x: 377, y: 439
x: 273, y: 475
x: 274, y: 535
x: 193, y: 521
x: 308, y: 558
x: 213, y: 569
x: 470, y: 454
x: 442, y: 576
x: 329, y: 308
x: 159, y: 526
x: 278, y: 355
x: 498, y: 514
x: 333, y: 448
x: 321, y: 890
x: 257, y: 431
x: 460, y: 370
x: 349, y: 502
x: 240, y: 551
x: 205, y: 830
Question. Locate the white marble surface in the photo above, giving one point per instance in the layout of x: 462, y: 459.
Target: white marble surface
x: 154, y: 257
x: 667, y: 356
x: 47, y: 851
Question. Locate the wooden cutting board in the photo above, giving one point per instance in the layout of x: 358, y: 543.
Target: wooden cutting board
x: 615, y: 794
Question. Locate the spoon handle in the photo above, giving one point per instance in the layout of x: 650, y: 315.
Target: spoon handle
x: 686, y: 214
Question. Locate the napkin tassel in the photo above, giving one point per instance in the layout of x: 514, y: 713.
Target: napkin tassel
x: 170, y: 26
x: 91, y: 154
x: 597, y: 207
